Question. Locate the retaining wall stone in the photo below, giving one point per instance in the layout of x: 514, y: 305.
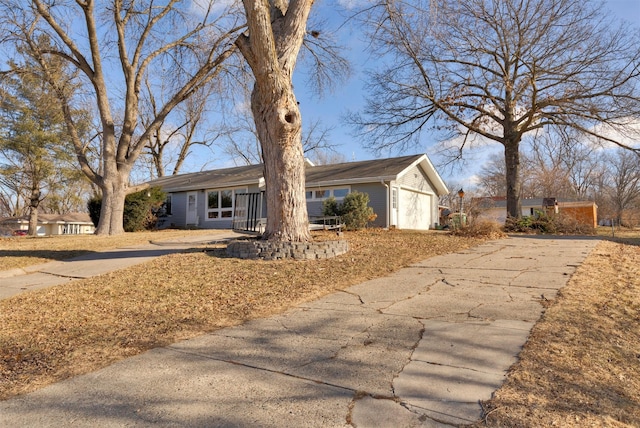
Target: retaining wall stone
x: 268, y: 250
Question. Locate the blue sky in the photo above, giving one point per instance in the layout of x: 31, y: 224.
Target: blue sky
x: 331, y: 109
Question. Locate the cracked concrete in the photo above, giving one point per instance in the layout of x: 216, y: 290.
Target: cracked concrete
x: 419, y: 348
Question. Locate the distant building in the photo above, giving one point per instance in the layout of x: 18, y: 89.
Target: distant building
x: 495, y: 208
x: 54, y: 224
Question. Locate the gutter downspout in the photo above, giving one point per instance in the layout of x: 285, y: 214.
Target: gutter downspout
x: 387, y: 202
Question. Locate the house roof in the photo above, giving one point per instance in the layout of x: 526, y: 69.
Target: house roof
x: 373, y: 171
x: 226, y: 177
x: 316, y: 176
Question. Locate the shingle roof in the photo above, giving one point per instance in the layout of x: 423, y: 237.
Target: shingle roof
x: 360, y: 171
x: 226, y: 177
x: 348, y: 172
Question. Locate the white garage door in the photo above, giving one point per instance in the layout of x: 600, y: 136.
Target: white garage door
x: 415, y: 210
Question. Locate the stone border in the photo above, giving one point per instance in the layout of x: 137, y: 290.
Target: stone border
x: 268, y: 250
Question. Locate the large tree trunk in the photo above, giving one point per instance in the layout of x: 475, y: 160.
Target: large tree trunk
x: 114, y: 191
x: 277, y: 119
x: 276, y: 32
x: 34, y: 203
x: 512, y: 164
x: 33, y: 221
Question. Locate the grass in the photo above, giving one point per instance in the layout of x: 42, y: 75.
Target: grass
x: 20, y: 252
x: 51, y: 334
x: 581, y: 364
x: 580, y: 367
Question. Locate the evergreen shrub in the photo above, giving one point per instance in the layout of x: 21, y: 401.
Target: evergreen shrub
x: 354, y: 210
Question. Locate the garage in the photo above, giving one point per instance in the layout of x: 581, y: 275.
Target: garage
x: 414, y: 210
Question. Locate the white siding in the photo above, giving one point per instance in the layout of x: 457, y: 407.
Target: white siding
x: 416, y: 179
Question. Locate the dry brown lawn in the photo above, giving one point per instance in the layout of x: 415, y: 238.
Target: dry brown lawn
x: 23, y: 251
x: 51, y: 334
x: 581, y: 366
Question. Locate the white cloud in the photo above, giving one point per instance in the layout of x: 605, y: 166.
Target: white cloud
x: 628, y: 134
x: 352, y: 4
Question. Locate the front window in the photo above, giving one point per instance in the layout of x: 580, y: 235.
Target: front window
x: 322, y: 194
x: 340, y: 193
x: 71, y: 229
x: 220, y: 204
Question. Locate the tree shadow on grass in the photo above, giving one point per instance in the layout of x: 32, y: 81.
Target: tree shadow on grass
x: 50, y: 255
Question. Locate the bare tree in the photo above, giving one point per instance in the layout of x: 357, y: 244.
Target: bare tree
x: 500, y: 69
x: 623, y: 183
x: 171, y: 143
x: 552, y: 165
x: 548, y: 160
x: 276, y: 32
x: 184, y: 39
x: 491, y: 178
x: 243, y: 143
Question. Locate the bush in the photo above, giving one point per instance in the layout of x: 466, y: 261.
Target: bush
x: 543, y: 223
x: 354, y: 210
x: 480, y: 229
x: 94, y: 205
x: 140, y: 209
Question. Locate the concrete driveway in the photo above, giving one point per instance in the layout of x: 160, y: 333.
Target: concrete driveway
x: 420, y: 348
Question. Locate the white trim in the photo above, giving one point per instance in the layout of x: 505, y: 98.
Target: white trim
x: 231, y: 209
x: 194, y: 218
x: 413, y: 189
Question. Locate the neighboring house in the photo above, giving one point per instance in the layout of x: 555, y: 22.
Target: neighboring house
x: 55, y: 224
x: 585, y: 212
x: 403, y: 192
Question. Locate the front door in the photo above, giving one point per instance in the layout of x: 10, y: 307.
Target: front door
x: 394, y: 207
x: 192, y: 212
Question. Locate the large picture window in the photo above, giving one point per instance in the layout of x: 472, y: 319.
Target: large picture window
x: 220, y: 204
x: 322, y: 194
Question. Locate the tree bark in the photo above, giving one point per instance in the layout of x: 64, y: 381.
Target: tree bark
x: 278, y: 124
x: 112, y: 209
x: 34, y: 202
x: 114, y: 185
x: 271, y: 47
x: 512, y: 164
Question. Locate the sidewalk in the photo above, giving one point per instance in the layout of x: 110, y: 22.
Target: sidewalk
x: 419, y: 348
x: 44, y: 275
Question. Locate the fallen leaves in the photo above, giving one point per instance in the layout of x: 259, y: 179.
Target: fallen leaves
x: 579, y: 366
x: 51, y: 334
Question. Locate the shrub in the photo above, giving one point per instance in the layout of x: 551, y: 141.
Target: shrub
x: 354, y: 210
x: 140, y: 209
x: 544, y: 223
x: 480, y: 229
x: 330, y: 207
x: 94, y: 205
